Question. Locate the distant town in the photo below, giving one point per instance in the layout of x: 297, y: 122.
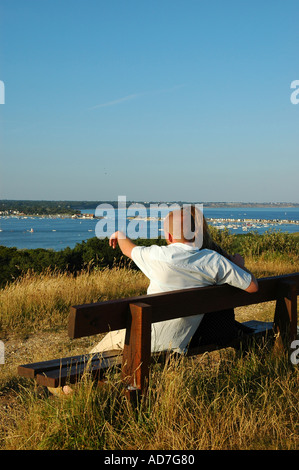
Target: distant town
x: 80, y: 210
x: 73, y: 208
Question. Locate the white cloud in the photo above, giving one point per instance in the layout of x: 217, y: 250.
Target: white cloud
x: 119, y: 100
x: 136, y: 95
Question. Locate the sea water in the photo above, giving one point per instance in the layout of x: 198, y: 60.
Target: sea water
x: 57, y: 233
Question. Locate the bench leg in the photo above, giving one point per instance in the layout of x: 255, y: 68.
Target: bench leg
x: 137, y: 349
x: 285, y: 317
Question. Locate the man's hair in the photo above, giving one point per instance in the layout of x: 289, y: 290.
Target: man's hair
x: 180, y: 224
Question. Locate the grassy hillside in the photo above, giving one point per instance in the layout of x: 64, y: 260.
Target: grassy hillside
x: 220, y: 400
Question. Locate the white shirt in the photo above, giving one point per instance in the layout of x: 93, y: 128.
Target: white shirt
x: 173, y: 267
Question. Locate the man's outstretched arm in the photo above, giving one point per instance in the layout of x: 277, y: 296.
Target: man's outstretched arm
x: 125, y: 244
x: 239, y: 261
x: 253, y: 286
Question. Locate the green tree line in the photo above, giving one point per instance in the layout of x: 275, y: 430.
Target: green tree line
x: 97, y: 253
x: 91, y: 253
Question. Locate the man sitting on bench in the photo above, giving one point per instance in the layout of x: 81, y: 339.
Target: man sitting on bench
x: 181, y: 265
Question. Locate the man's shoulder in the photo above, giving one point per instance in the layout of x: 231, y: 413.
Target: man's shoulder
x: 210, y: 253
x: 151, y: 249
x: 213, y: 257
x: 148, y: 256
x: 173, y: 251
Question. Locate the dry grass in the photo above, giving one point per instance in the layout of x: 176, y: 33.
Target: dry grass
x: 41, y: 302
x: 222, y: 402
x: 219, y: 400
x: 264, y: 266
x: 38, y: 302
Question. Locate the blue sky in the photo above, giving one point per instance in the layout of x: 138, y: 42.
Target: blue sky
x: 155, y: 100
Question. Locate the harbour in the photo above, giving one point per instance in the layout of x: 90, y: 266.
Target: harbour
x: 58, y: 232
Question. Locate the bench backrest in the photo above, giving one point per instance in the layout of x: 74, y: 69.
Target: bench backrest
x: 101, y: 317
x: 136, y: 315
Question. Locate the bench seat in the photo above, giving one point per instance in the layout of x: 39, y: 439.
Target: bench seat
x: 57, y: 372
x: 137, y: 314
x: 259, y: 330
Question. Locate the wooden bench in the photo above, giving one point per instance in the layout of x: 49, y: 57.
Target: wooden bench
x: 136, y: 314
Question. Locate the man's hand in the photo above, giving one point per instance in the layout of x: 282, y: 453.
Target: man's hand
x: 253, y: 286
x: 125, y: 244
x: 113, y: 240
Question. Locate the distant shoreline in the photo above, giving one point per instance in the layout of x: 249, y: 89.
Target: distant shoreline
x: 42, y: 208
x: 247, y: 221
x: 86, y: 210
x: 73, y: 205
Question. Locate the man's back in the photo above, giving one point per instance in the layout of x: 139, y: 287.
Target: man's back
x: 183, y: 266
x: 179, y: 265
x: 173, y: 267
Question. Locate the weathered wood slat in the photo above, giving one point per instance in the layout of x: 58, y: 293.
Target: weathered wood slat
x: 137, y: 347
x: 285, y: 317
x: 31, y: 370
x: 259, y: 326
x: 259, y: 329
x: 72, y: 373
